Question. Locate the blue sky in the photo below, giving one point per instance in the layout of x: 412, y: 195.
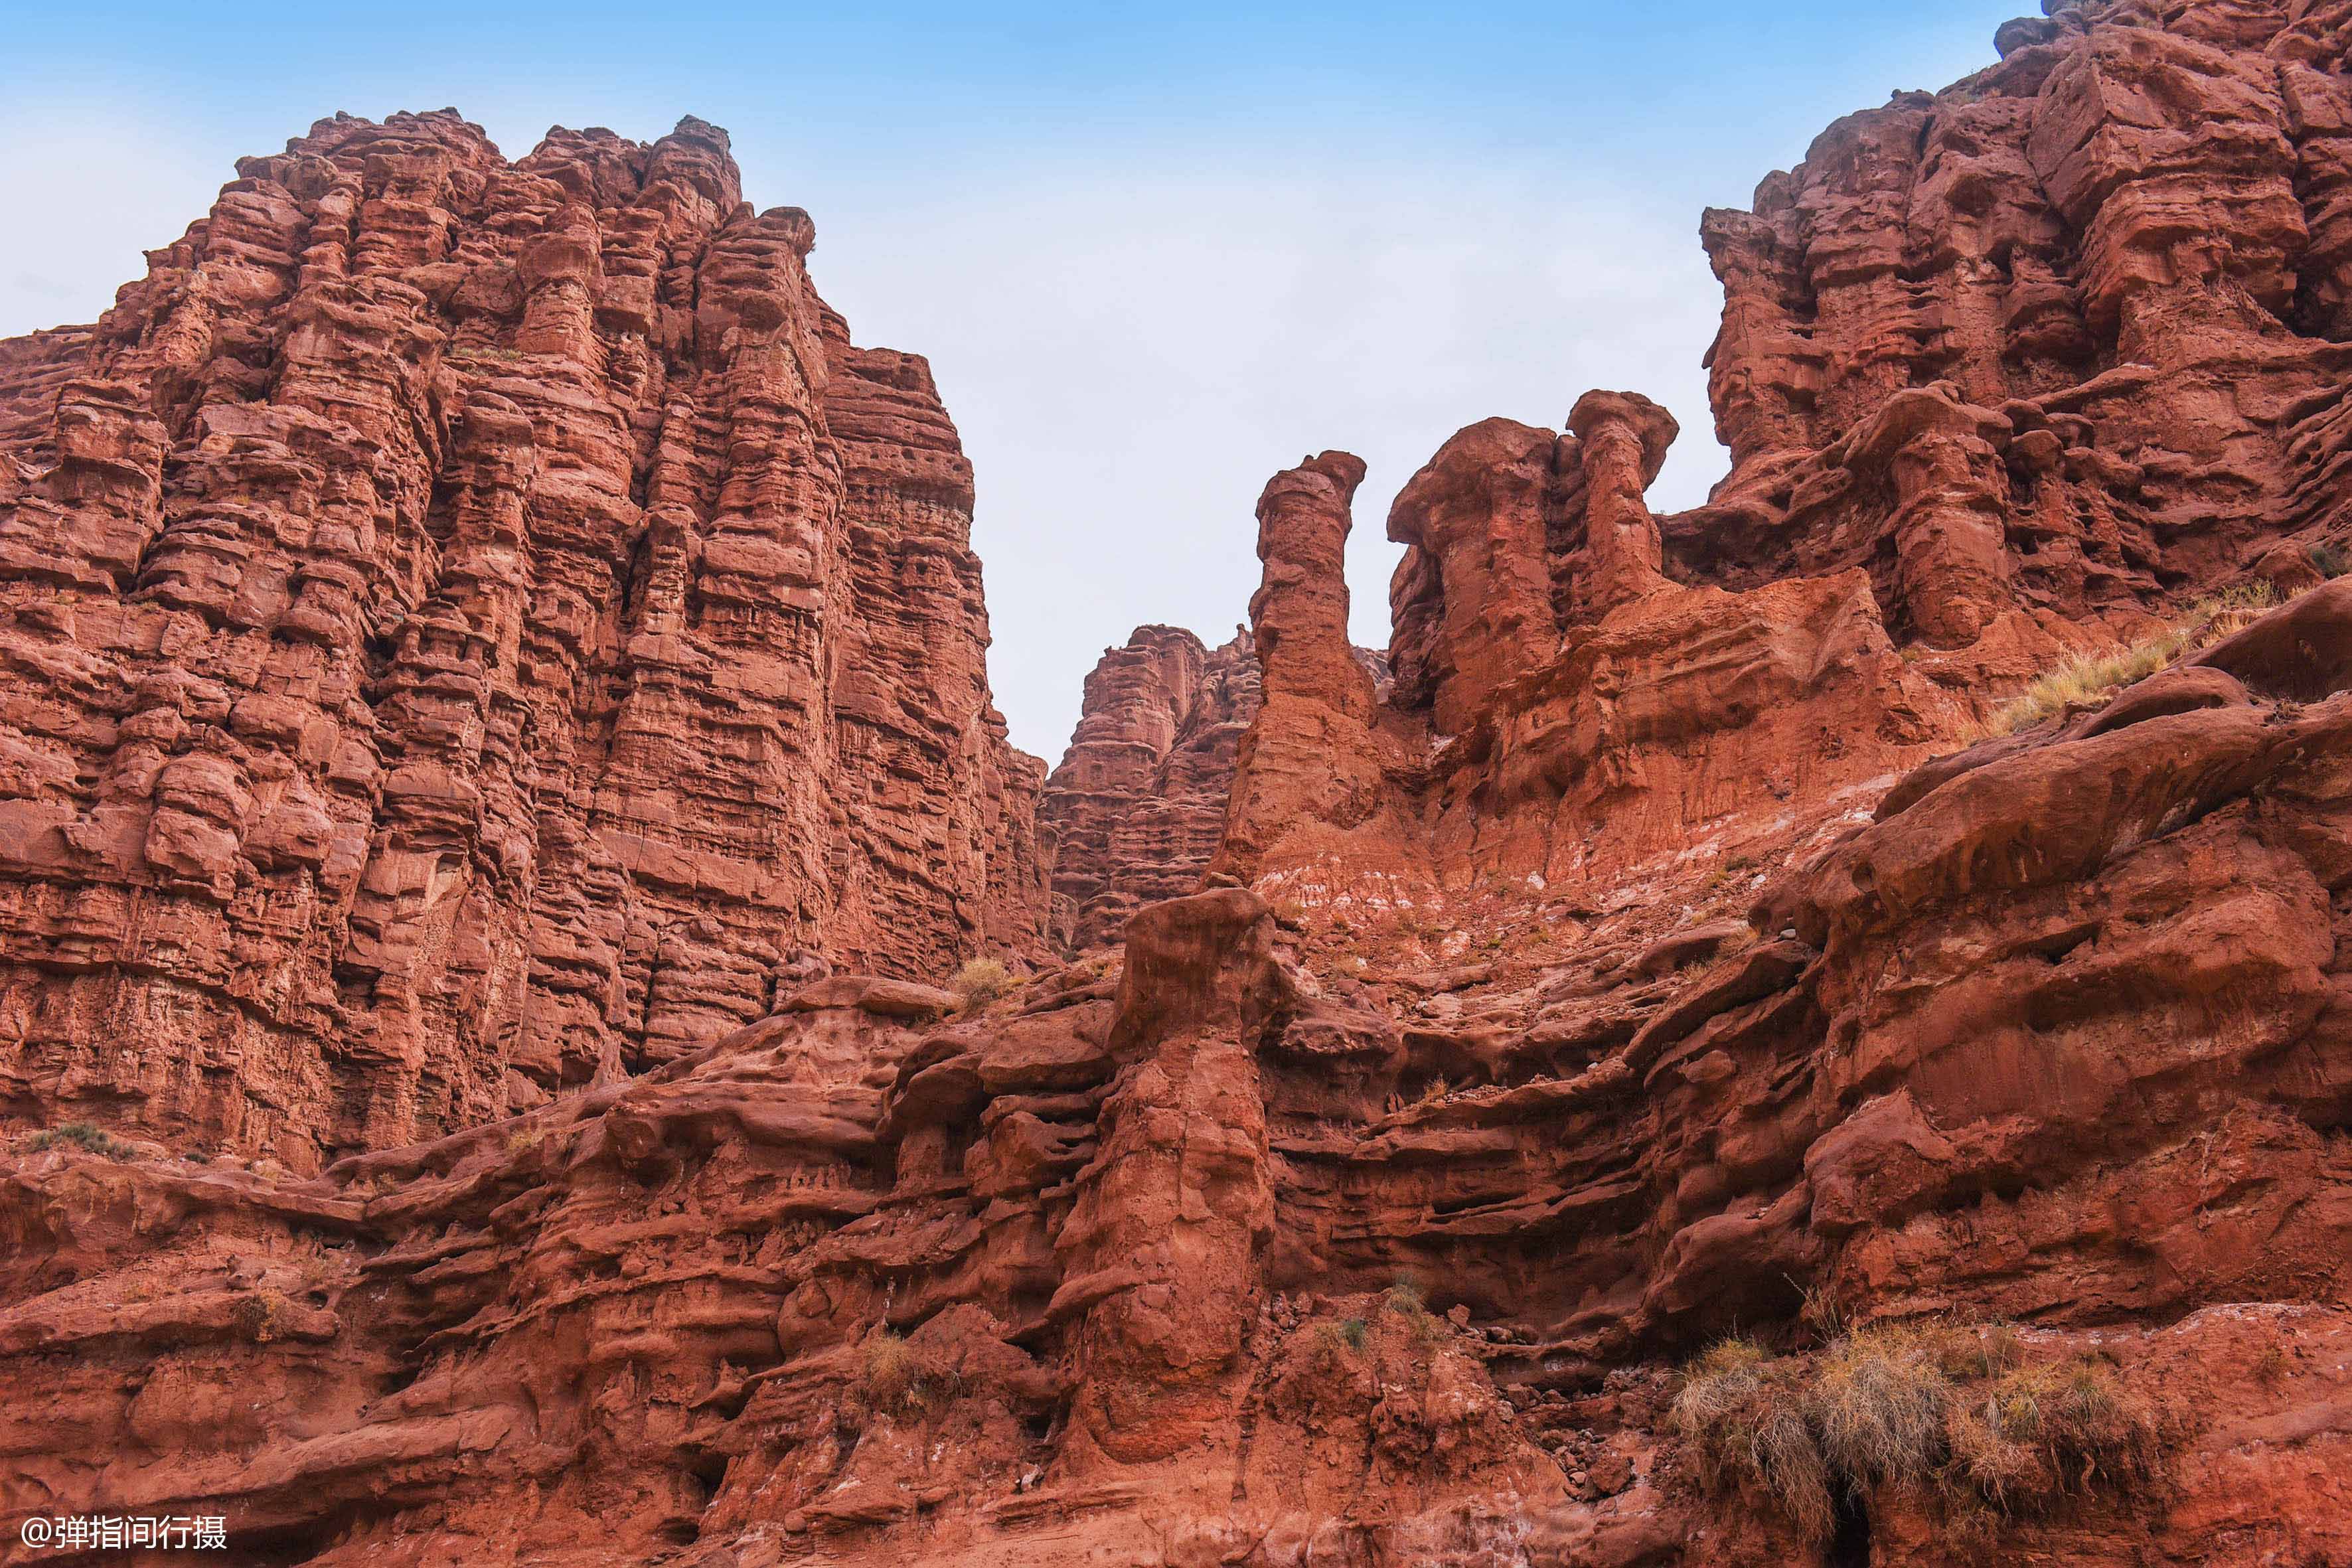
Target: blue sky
x: 1153, y: 253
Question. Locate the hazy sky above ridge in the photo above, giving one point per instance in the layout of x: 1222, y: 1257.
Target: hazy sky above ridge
x: 1154, y: 253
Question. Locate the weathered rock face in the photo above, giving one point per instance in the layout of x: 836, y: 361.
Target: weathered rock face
x: 2008, y: 370
x: 1136, y: 806
x: 1316, y: 759
x: 33, y: 370
x: 1659, y: 954
x: 1136, y: 809
x: 1097, y: 1273
x: 468, y: 627
x: 2069, y: 335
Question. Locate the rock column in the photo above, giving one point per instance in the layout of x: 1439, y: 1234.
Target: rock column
x: 1309, y: 758
x: 1160, y: 1248
x: 1625, y: 436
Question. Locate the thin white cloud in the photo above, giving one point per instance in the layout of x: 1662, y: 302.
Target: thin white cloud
x: 88, y: 189
x: 1132, y: 349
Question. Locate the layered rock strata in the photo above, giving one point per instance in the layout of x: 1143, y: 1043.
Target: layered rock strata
x: 2020, y: 369
x: 2066, y: 335
x: 470, y: 628
x: 1662, y: 955
x: 1135, y: 810
x: 1225, y: 1254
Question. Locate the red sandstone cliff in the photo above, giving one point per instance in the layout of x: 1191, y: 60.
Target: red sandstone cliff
x: 1105, y: 1272
x: 1137, y: 806
x: 468, y: 626
x: 1136, y: 810
x: 2020, y: 368
x: 1662, y: 957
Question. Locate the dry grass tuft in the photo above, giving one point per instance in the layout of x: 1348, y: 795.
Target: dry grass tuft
x: 261, y: 1316
x: 1742, y: 1415
x: 980, y: 982
x: 895, y: 1377
x: 82, y: 1135
x: 2039, y: 1433
x: 2082, y: 677
x: 1406, y: 1299
x: 1953, y: 1406
x: 1876, y: 1401
x: 1406, y: 1296
x: 1822, y: 1312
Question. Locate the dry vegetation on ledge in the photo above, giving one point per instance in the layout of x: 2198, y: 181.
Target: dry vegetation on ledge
x: 2082, y: 676
x: 1964, y: 1411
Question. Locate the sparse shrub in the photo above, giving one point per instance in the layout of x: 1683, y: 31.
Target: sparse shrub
x: 1942, y: 1404
x: 2271, y: 1366
x: 2330, y: 561
x: 1742, y: 1415
x: 1822, y: 1312
x: 894, y: 1373
x: 528, y: 1138
x: 1348, y: 1333
x: 1726, y: 871
x: 83, y: 1135
x: 2038, y: 1432
x: 1436, y: 1088
x: 904, y: 1375
x: 1985, y: 1349
x: 899, y: 1376
x: 261, y: 1316
x: 1404, y: 1298
x: 2081, y: 677
x: 980, y: 982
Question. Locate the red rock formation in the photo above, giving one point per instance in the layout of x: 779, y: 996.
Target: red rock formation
x: 1994, y: 390
x: 1315, y: 760
x: 1476, y: 513
x: 1623, y: 439
x: 1138, y: 699
x: 1658, y: 956
x: 1608, y: 733
x: 468, y: 626
x: 33, y: 370
x: 1136, y: 810
x: 1097, y: 1275
x: 1138, y: 805
x: 2104, y: 273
